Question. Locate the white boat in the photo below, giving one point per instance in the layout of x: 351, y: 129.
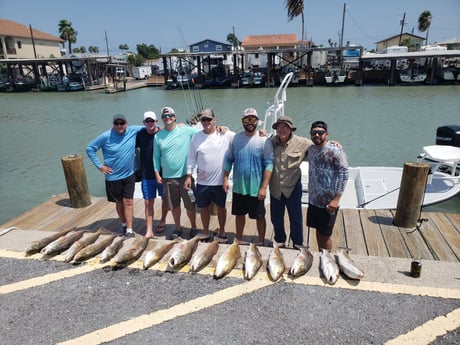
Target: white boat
x: 412, y: 76
x: 335, y: 77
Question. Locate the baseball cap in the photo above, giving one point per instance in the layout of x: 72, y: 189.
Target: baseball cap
x: 119, y: 117
x: 286, y: 120
x: 167, y: 110
x: 150, y: 115
x: 207, y: 113
x: 250, y: 112
x: 319, y: 124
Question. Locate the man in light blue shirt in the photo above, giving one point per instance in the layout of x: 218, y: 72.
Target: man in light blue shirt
x: 252, y: 159
x: 118, y: 149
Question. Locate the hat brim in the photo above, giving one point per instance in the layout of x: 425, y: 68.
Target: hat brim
x: 275, y: 125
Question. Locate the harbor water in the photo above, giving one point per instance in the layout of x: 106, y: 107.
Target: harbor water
x: 378, y: 126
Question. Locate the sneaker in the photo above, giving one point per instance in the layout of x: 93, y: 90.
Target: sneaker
x: 129, y: 234
x: 175, y: 234
x: 278, y: 244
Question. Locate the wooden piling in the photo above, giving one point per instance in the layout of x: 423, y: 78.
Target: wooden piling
x: 75, y: 177
x: 411, y: 194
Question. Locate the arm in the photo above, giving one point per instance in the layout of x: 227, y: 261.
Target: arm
x: 91, y: 151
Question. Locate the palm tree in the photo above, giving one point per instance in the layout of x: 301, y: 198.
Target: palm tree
x: 67, y: 33
x: 295, y: 9
x: 231, y: 38
x: 424, y: 22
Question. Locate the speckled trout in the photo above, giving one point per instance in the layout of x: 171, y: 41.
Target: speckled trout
x: 82, y: 243
x: 182, y: 252
x: 252, y: 261
x: 302, y: 263
x: 203, y: 255
x: 275, y: 264
x: 37, y: 246
x: 227, y: 261
x: 155, y: 254
x: 347, y: 266
x: 94, y: 248
x: 62, y: 243
x: 132, y: 253
x: 112, y: 250
x: 329, y: 267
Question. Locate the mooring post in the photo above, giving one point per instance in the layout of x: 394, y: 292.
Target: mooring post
x: 75, y: 177
x: 411, y: 194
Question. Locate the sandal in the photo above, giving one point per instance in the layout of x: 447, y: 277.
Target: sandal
x: 161, y: 228
x: 222, y: 239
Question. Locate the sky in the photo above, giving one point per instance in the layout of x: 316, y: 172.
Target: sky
x: 180, y: 23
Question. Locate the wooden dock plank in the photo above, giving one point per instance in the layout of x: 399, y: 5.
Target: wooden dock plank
x: 367, y: 232
x: 353, y: 232
x: 391, y: 234
x: 372, y: 233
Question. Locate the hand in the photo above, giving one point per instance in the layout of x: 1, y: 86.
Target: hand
x: 105, y: 170
x: 262, y: 193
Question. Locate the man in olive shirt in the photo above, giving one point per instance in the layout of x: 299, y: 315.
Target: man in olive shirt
x: 285, y: 184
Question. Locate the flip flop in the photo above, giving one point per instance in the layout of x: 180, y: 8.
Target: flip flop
x: 161, y: 228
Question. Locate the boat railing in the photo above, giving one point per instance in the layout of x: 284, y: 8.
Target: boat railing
x: 277, y: 108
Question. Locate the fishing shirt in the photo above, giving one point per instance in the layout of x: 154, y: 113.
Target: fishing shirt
x: 118, y: 151
x: 286, y: 164
x: 144, y: 141
x: 250, y: 157
x: 327, y: 175
x: 207, y: 154
x: 170, y: 150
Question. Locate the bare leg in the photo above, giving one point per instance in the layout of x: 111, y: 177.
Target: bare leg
x: 192, y: 216
x: 128, y: 209
x: 176, y: 212
x: 148, y: 205
x: 205, y: 218
x: 222, y: 218
x: 324, y: 242
x: 120, y: 211
x: 164, y: 213
x: 240, y: 221
x: 261, y: 226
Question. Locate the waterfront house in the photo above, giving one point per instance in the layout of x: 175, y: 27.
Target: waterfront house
x: 22, y: 42
x: 416, y: 42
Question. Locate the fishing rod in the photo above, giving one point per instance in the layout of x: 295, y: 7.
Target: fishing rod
x: 381, y: 196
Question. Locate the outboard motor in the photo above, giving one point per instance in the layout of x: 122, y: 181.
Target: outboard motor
x: 448, y: 135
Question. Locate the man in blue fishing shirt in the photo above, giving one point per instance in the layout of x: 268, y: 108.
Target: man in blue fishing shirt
x: 118, y: 149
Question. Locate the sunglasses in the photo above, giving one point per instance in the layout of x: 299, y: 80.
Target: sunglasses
x: 150, y: 121
x: 313, y: 133
x: 167, y: 115
x: 119, y: 123
x: 251, y: 120
x: 205, y: 119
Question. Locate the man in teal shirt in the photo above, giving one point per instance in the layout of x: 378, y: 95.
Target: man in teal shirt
x: 252, y: 159
x: 170, y: 150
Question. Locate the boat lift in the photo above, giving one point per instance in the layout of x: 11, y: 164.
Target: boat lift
x: 277, y: 108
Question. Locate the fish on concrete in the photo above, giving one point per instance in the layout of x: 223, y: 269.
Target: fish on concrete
x: 62, y: 243
x: 112, y: 250
x: 203, y: 255
x: 183, y: 252
x: 134, y: 252
x: 252, y: 261
x: 82, y: 243
x: 93, y: 249
x: 302, y: 263
x: 329, y: 267
x: 347, y: 266
x: 155, y: 254
x: 275, y: 264
x: 37, y: 246
x: 227, y: 261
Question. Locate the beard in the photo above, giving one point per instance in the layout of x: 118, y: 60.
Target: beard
x: 249, y: 128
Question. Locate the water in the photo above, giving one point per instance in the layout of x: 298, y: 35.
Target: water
x: 379, y: 126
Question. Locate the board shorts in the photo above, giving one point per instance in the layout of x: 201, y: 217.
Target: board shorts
x: 320, y: 219
x: 120, y: 189
x: 246, y: 204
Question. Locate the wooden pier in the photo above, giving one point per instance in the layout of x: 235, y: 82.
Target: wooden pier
x: 366, y: 232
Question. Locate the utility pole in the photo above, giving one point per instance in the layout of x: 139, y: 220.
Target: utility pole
x: 403, y: 21
x: 341, y: 36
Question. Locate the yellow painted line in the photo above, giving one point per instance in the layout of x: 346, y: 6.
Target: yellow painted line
x: 427, y: 333
x: 122, y: 329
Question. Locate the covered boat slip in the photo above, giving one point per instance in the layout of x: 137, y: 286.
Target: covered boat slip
x: 366, y: 232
